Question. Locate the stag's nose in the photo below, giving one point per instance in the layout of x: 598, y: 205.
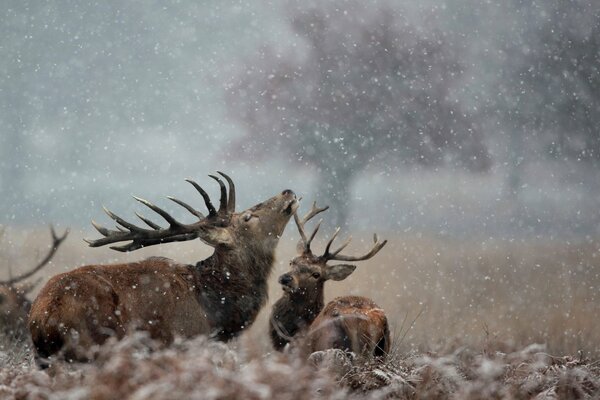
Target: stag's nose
x: 285, y: 279
x: 288, y: 192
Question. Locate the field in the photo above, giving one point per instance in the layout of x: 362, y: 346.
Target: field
x: 485, y: 318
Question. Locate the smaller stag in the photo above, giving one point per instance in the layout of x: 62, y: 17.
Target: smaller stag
x: 14, y: 304
x: 349, y: 323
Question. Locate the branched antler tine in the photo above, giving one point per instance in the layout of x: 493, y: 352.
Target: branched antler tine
x: 120, y: 220
x: 376, y: 247
x: 53, y: 233
x: 313, y: 211
x: 305, y: 242
x: 122, y: 229
x: 172, y: 221
x: 191, y: 209
x: 223, y: 198
x: 209, y: 205
x: 342, y: 247
x: 148, y: 222
x: 231, y: 200
x: 337, y: 231
x: 56, y: 242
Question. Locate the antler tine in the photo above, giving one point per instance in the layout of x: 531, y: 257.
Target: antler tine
x: 167, y: 217
x: 231, y: 200
x: 119, y: 220
x: 342, y: 247
x: 300, y: 227
x: 146, y: 221
x: 56, y: 242
x: 374, y: 250
x: 223, y: 199
x: 330, y: 242
x: 312, y: 236
x: 191, y: 209
x: 209, y: 205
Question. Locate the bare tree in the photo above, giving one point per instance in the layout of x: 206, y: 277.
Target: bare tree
x: 549, y: 85
x: 370, y: 89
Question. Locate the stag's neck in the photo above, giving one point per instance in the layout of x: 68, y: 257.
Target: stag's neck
x: 293, y: 314
x: 233, y: 288
x: 306, y: 306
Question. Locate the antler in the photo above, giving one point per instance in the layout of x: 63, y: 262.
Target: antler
x: 177, y: 231
x: 56, y: 242
x: 335, y: 255
x: 304, y: 242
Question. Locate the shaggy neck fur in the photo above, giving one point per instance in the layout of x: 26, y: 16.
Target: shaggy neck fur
x: 292, y: 313
x: 233, y: 287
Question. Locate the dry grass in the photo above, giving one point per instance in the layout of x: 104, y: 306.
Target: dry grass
x: 137, y: 368
x: 484, y: 302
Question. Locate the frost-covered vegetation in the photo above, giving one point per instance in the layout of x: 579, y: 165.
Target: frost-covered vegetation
x: 137, y: 368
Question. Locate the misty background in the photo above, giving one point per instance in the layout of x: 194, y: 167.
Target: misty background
x: 451, y: 118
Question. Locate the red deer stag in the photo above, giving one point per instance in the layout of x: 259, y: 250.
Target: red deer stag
x: 349, y: 323
x: 219, y: 296
x: 14, y: 304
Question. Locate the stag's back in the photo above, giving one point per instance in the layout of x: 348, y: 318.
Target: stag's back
x: 78, y: 309
x: 351, y: 323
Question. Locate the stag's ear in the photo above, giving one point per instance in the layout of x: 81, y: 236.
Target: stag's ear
x: 216, y: 236
x: 339, y: 272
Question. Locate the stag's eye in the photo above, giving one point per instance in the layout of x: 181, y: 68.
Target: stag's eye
x: 247, y: 217
x: 316, y: 275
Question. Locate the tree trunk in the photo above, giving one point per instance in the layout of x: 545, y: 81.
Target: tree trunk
x: 516, y: 159
x: 335, y: 190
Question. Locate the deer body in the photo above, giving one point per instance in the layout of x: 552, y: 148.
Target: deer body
x: 350, y: 323
x: 219, y: 296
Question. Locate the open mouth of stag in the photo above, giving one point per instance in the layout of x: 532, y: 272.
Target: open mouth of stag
x: 287, y: 289
x: 290, y: 206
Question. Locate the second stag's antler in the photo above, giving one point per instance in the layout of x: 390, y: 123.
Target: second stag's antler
x: 56, y: 242
x: 176, y: 231
x: 328, y: 255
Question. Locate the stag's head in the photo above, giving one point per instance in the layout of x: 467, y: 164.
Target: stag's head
x: 257, y: 227
x: 14, y: 304
x: 309, y: 272
x: 264, y: 223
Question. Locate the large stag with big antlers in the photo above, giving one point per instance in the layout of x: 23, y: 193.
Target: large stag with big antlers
x: 349, y: 323
x: 219, y: 296
x: 14, y: 304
